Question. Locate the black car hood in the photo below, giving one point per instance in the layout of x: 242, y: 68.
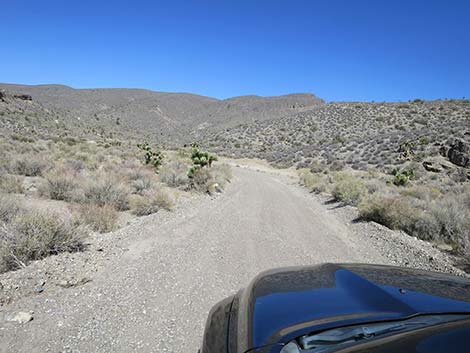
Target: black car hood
x: 282, y: 304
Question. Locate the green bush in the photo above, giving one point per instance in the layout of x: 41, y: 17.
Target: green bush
x: 349, y: 190
x: 200, y: 160
x: 402, y: 177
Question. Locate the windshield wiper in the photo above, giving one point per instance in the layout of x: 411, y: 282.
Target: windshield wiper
x: 321, y: 341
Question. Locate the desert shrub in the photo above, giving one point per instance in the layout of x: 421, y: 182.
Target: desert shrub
x: 107, y: 191
x: 141, y: 180
x: 58, y: 185
x: 402, y: 177
x: 11, y: 184
x: 74, y: 165
x: 174, y: 174
x: 34, y: 236
x: 313, y: 182
x: 28, y: 165
x: 151, y: 203
x: 317, y: 167
x: 9, y: 208
x: 201, y: 180
x: 393, y: 212
x: 139, y: 186
x: 420, y: 192
x: 101, y: 219
x: 452, y: 214
x: 348, y: 189
x: 374, y: 185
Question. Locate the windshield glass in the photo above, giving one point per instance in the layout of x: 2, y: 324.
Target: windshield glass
x: 333, y: 339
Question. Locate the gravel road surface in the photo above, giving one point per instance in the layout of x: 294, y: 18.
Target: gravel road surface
x: 155, y: 296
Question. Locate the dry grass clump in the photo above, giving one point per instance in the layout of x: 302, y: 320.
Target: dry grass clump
x: 12, y: 184
x: 428, y: 216
x: 59, y: 185
x: 141, y: 180
x: 28, y: 165
x: 202, y: 180
x: 101, y: 219
x: 102, y: 192
x: 143, y: 205
x: 9, y: 208
x: 452, y: 216
x: 175, y: 173
x: 393, y: 212
x: 34, y: 236
x: 222, y: 174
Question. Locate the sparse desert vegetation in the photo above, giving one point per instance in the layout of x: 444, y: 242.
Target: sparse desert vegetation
x: 424, y: 208
x: 404, y: 165
x: 56, y: 191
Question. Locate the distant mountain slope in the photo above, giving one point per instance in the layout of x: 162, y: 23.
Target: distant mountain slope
x: 356, y: 134
x: 168, y: 116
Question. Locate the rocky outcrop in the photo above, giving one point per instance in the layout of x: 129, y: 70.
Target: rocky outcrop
x: 458, y: 153
x: 25, y: 97
x: 432, y: 167
x: 2, y: 95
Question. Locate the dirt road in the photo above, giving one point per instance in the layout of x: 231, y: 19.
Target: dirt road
x: 156, y: 296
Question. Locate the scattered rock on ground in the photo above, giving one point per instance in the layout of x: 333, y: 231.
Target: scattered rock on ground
x: 20, y: 317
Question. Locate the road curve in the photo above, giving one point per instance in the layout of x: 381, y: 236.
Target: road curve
x: 155, y: 298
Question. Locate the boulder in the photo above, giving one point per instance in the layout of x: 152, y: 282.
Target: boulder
x: 458, y: 153
x: 431, y: 167
x: 2, y: 95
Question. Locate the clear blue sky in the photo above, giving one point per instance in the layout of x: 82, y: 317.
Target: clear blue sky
x: 338, y: 49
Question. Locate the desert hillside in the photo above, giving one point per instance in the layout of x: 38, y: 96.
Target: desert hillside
x: 160, y: 116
